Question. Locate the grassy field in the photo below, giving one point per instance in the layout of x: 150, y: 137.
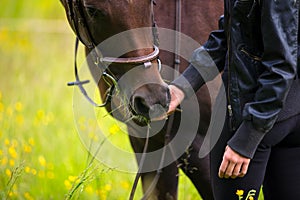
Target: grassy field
x: 41, y: 153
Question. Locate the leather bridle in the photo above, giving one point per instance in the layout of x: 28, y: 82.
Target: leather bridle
x: 78, y: 22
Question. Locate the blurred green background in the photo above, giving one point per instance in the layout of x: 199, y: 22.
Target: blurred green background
x: 41, y: 155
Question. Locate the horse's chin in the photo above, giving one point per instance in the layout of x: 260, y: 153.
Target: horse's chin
x: 153, y: 116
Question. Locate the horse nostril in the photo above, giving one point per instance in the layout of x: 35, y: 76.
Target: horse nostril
x: 151, y: 102
x: 140, y: 106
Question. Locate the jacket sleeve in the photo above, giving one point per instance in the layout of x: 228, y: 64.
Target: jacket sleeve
x: 205, y: 64
x: 279, y: 25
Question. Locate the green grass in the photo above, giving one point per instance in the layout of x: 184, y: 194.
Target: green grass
x: 41, y: 153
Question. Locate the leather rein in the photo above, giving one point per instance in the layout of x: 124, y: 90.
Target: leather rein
x: 170, y: 120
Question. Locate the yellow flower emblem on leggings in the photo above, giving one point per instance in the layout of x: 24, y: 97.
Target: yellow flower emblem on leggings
x: 240, y: 194
x: 250, y: 195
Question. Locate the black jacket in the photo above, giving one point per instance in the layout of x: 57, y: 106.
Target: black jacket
x: 256, y: 48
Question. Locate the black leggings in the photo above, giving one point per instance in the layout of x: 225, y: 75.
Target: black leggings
x: 276, y: 166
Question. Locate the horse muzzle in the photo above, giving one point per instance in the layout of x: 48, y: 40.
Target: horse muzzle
x: 150, y: 102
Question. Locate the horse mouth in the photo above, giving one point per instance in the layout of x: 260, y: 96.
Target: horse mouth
x: 147, y: 110
x: 156, y: 113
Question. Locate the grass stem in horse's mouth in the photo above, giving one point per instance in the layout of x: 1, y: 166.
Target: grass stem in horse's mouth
x: 178, y: 110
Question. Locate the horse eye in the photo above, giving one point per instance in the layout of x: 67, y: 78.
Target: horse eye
x: 95, y: 13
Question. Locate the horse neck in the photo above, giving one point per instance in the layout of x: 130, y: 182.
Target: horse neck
x: 198, y: 19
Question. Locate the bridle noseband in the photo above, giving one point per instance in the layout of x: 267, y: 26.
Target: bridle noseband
x: 78, y: 22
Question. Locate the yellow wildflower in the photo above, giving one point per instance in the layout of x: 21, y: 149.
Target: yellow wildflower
x: 49, y: 117
x: 114, y: 129
x: 50, y: 175
x: 40, y: 114
x: 31, y: 141
x: 39, y: 117
x: 81, y: 120
x: 107, y: 187
x: 77, y: 181
x: 68, y: 185
x: 10, y: 194
x: 20, y: 120
x: 8, y: 172
x: 6, y: 142
x: 11, y: 162
x: 33, y: 171
x: 18, y: 106
x: 4, y: 161
x: 102, y: 194
x: 72, y: 178
x: 15, y: 188
x: 27, y: 148
x: 89, y: 189
x: 27, y: 169
x: 12, y: 152
x: 28, y: 196
x: 50, y: 166
x: 42, y: 161
x: 41, y: 174
x: 82, y: 127
x: 251, y: 198
x: 125, y: 185
x: 93, y: 136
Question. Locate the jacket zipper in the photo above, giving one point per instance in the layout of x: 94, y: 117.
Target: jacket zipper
x: 254, y: 57
x: 229, y: 107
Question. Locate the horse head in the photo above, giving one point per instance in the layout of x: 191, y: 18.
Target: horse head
x: 131, y: 59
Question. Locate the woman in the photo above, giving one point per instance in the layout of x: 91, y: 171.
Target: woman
x: 256, y: 49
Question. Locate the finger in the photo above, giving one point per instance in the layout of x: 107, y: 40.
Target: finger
x: 172, y: 108
x: 244, y: 169
x: 223, y: 168
x: 229, y: 170
x: 236, y: 171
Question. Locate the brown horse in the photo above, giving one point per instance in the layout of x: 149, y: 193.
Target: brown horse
x: 146, y: 94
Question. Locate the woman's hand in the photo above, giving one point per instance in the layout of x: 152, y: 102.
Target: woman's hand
x: 177, y: 96
x: 233, y: 164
